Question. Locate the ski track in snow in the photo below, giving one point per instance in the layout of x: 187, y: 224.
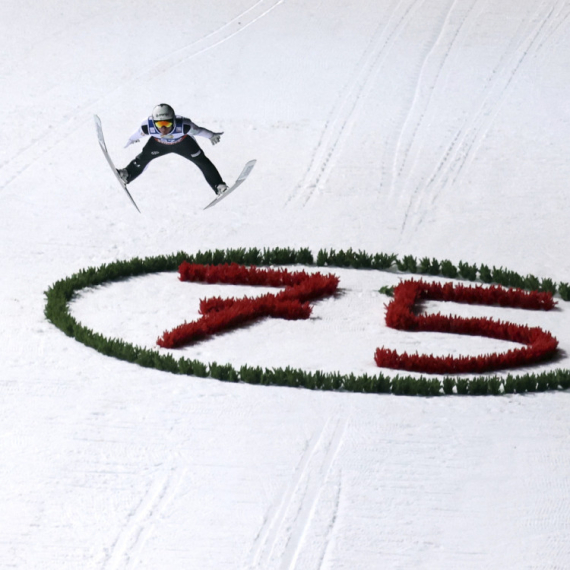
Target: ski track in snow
x: 219, y: 36
x: 284, y: 536
x: 347, y: 107
x: 126, y: 551
x: 49, y: 138
x: 401, y: 154
x: 533, y: 32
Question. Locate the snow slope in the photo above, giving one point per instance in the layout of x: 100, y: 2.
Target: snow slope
x: 427, y: 128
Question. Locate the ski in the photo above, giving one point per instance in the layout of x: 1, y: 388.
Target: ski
x: 240, y: 179
x: 103, y: 146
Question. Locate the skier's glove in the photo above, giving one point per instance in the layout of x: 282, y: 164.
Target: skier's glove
x: 130, y: 142
x: 216, y: 138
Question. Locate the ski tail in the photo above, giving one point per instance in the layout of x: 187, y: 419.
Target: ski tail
x: 240, y: 179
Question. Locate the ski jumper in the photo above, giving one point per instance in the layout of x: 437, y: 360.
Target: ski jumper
x: 180, y: 140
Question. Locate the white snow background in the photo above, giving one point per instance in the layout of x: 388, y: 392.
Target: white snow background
x: 435, y: 129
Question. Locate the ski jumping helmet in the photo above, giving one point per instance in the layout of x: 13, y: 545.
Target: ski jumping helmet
x: 163, y: 112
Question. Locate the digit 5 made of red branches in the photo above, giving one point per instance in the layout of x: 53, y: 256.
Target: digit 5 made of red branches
x: 539, y: 346
x: 221, y: 314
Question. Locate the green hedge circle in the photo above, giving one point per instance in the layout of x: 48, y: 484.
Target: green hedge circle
x: 60, y: 294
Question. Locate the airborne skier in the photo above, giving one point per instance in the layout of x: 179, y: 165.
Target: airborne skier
x: 171, y: 133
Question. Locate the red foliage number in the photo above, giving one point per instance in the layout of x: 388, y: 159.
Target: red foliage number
x: 221, y: 314
x: 539, y: 344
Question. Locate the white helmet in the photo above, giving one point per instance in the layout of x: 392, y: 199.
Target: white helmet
x: 163, y: 112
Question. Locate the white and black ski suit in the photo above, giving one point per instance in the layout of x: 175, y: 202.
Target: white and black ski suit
x: 181, y: 140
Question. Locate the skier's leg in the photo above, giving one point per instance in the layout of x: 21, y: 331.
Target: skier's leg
x: 210, y: 172
x: 150, y: 151
x: 189, y: 149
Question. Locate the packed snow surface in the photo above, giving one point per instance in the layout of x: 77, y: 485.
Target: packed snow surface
x: 434, y: 129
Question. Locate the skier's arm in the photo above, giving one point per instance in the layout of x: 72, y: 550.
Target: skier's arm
x: 195, y: 130
x: 137, y: 136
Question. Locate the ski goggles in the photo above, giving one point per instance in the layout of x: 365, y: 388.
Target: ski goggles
x: 160, y: 124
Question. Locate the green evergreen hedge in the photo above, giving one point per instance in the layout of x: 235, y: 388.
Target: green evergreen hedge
x: 60, y: 294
